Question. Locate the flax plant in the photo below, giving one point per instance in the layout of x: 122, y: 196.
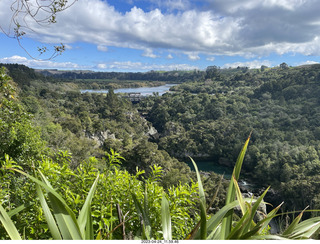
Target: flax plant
x: 61, y: 220
x: 222, y: 225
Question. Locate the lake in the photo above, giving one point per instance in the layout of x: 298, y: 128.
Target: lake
x: 145, y: 91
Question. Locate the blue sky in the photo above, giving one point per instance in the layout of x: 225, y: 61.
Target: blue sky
x: 138, y: 35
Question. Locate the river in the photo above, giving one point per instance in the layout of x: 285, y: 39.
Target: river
x: 209, y: 165
x: 204, y: 165
x: 144, y: 91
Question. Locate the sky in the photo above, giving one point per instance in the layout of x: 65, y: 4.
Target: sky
x: 139, y: 35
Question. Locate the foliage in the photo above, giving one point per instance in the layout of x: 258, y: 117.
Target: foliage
x: 205, y: 118
x: 67, y: 192
x: 221, y: 225
x: 208, y: 118
x: 19, y: 138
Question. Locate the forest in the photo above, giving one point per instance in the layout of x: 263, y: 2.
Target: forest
x: 134, y: 156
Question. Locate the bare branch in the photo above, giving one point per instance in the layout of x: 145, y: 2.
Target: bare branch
x: 41, y: 12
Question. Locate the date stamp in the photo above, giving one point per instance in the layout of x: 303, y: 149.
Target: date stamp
x: 160, y: 241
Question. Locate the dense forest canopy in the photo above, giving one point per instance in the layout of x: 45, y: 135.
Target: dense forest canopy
x: 178, y: 75
x: 45, y: 118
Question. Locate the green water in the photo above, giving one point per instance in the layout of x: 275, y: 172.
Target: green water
x: 208, y: 165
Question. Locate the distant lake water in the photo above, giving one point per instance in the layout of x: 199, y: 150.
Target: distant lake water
x: 208, y: 165
x: 145, y: 91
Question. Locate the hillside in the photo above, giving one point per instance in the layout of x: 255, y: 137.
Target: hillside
x: 210, y: 118
x: 47, y: 124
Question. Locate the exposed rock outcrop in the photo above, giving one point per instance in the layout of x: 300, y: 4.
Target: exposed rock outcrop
x: 99, y: 138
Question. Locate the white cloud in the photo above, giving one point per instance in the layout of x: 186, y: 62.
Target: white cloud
x: 169, y: 56
x: 14, y: 59
x: 309, y: 62
x: 149, y: 53
x: 193, y: 56
x: 133, y: 66
x: 250, y: 64
x: 40, y: 64
x: 102, y: 48
x: 220, y: 27
x: 171, y: 5
x: 121, y: 66
x: 68, y: 47
x: 210, y: 59
x: 96, y: 22
x: 101, y: 66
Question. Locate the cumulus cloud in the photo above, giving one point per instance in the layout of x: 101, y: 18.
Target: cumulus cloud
x: 279, y: 26
x: 102, y: 48
x: 171, y: 5
x: 116, y: 65
x: 101, y: 66
x: 149, y: 53
x: 210, y: 59
x: 193, y: 56
x: 40, y: 64
x: 309, y: 62
x: 250, y: 64
x: 169, y: 56
x: 132, y: 66
x: 220, y: 27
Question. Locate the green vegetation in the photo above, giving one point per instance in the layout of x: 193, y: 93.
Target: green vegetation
x: 116, y: 170
x: 209, y: 118
x: 63, y: 224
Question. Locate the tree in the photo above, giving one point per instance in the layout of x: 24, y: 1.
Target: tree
x: 212, y: 72
x: 263, y: 67
x: 18, y: 138
x: 284, y: 66
x: 25, y: 12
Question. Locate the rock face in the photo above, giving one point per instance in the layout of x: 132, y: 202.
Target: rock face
x: 99, y: 138
x: 152, y: 132
x: 148, y: 130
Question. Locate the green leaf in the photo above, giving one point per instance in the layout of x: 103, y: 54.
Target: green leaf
x: 254, y: 210
x: 85, y: 213
x: 146, y: 227
x: 265, y: 222
x: 48, y: 215
x: 19, y: 209
x: 65, y: 217
x: 89, y: 235
x: 203, y: 212
x: 238, y: 229
x: 239, y: 196
x: 166, y: 218
x: 9, y: 225
x: 305, y: 229
x: 267, y: 237
x: 261, y: 225
x: 293, y: 225
x: 215, y: 220
x: 227, y: 221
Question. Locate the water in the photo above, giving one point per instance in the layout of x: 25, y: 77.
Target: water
x: 207, y: 165
x: 145, y: 91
